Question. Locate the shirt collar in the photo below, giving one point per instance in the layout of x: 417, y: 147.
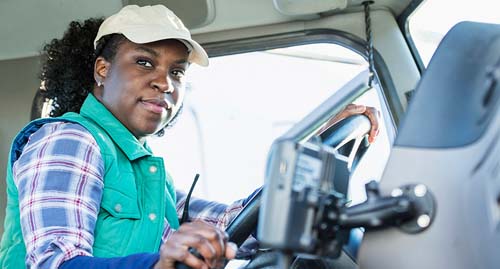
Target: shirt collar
x: 126, y: 141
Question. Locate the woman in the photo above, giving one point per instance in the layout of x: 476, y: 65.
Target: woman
x: 84, y: 190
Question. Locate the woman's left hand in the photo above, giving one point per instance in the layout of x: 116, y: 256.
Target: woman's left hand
x: 353, y: 109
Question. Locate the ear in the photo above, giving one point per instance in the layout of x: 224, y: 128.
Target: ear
x: 101, y: 69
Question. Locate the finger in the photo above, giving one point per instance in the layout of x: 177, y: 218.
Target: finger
x: 353, y: 109
x: 372, y: 114
x: 231, y: 249
x: 230, y: 253
x: 214, y: 237
x: 203, y: 246
x: 194, y: 262
x: 373, y: 134
x: 172, y: 252
x: 223, y: 238
x: 206, y: 249
x: 218, y: 240
x: 349, y: 110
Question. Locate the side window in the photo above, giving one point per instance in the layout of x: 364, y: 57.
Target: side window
x: 434, y: 18
x: 235, y: 108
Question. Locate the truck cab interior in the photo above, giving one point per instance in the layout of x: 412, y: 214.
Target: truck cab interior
x: 279, y: 70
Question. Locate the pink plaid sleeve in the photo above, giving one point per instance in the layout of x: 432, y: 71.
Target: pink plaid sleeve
x: 59, y: 177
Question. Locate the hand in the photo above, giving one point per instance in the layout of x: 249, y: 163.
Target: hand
x: 210, y: 242
x: 353, y: 109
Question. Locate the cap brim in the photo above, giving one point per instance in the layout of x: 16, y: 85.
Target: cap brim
x: 198, y: 55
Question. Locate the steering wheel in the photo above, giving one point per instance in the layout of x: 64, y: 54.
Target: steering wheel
x: 345, y: 136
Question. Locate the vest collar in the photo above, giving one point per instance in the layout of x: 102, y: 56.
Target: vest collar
x: 124, y: 139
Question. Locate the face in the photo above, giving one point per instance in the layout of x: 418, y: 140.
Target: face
x: 144, y: 85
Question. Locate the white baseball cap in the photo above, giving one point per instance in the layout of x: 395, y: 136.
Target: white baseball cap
x: 151, y: 23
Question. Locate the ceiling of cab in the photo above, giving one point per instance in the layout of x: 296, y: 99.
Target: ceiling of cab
x: 25, y: 25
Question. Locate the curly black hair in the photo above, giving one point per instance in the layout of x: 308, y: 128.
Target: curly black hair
x: 67, y: 72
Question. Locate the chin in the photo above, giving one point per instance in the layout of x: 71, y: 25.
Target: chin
x: 145, y: 131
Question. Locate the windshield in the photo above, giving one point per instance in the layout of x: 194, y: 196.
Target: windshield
x: 434, y: 18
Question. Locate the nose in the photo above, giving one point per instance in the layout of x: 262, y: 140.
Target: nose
x: 163, y: 84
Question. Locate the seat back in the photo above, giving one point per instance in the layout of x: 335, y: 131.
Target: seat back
x: 450, y: 142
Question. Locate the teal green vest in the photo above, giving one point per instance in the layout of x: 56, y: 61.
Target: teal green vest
x: 138, y: 193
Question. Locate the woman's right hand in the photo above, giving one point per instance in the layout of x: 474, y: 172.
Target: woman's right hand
x: 211, y: 242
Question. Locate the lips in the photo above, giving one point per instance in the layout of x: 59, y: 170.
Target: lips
x: 156, y: 105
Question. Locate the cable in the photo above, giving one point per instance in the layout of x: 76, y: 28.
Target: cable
x: 369, y: 41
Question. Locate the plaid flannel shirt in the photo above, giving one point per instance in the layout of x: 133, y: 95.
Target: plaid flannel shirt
x: 60, y: 181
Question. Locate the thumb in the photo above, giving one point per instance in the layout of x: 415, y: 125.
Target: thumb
x: 231, y: 249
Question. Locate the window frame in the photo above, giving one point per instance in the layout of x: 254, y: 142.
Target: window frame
x: 404, y: 25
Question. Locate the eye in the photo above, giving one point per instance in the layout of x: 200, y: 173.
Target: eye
x: 178, y: 73
x: 144, y: 63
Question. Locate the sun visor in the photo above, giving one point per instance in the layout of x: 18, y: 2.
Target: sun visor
x: 307, y: 7
x: 193, y: 13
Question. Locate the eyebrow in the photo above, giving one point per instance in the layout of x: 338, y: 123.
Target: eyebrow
x: 155, y: 54
x: 147, y: 50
